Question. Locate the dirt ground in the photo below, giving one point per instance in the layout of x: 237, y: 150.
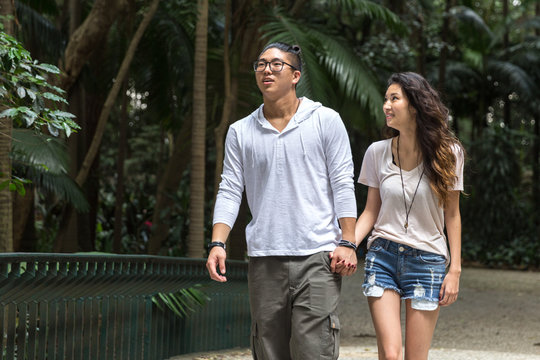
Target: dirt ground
x: 496, y: 317
x: 497, y: 310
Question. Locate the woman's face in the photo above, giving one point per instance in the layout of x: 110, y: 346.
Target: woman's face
x: 398, y: 113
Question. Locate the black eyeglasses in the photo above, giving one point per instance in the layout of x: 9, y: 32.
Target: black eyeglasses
x: 275, y: 65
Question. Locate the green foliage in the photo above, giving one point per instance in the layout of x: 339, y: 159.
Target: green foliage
x: 374, y: 11
x: 329, y: 58
x: 497, y: 224
x: 26, y: 97
x: 25, y: 94
x: 183, y: 302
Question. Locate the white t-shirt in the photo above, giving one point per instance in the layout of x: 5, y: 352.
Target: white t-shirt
x: 426, y: 218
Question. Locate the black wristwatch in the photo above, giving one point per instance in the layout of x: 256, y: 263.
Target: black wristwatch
x: 216, y: 243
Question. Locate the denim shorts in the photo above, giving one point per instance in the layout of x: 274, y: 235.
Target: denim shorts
x: 412, y: 273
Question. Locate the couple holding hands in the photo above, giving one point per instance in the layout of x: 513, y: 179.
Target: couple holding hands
x: 292, y: 157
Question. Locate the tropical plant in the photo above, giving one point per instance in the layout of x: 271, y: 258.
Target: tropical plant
x: 27, y: 97
x: 28, y: 100
x: 182, y: 302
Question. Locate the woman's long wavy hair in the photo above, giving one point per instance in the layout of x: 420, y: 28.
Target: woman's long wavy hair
x: 436, y: 140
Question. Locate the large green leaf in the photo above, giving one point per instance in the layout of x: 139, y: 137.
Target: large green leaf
x: 44, y: 161
x: 374, y: 11
x: 515, y: 77
x: 473, y: 30
x: 182, y: 302
x: 39, y: 150
x: 64, y: 187
x: 327, y: 60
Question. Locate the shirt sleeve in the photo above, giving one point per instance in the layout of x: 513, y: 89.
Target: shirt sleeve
x: 458, y: 152
x: 368, y: 173
x: 231, y: 186
x: 340, y: 167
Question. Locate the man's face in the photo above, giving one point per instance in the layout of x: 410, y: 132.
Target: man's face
x: 274, y: 84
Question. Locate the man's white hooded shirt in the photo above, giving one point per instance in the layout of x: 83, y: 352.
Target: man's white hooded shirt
x: 298, y: 182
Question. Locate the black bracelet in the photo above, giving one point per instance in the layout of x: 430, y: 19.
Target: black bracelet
x: 348, y: 244
x: 216, y: 243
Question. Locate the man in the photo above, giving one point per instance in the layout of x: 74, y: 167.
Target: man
x: 294, y: 159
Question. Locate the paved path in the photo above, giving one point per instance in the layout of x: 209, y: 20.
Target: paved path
x: 497, y: 317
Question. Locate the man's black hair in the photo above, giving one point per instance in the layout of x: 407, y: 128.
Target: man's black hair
x: 292, y: 49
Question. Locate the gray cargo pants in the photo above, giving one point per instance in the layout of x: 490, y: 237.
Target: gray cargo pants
x: 293, y: 303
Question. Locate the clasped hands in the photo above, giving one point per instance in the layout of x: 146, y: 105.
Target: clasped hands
x: 343, y: 261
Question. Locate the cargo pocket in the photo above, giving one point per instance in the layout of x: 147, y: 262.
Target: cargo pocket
x: 332, y: 350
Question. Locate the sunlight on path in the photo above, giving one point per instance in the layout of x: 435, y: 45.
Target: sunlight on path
x: 370, y: 353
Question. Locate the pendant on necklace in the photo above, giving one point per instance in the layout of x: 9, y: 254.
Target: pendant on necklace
x: 406, y: 225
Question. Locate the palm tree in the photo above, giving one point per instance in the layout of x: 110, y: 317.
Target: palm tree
x: 198, y: 138
x: 487, y: 70
x: 43, y: 160
x: 6, y: 125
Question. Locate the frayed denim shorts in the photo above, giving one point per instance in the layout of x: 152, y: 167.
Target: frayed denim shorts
x: 412, y: 273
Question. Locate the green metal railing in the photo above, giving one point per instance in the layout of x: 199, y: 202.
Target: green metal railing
x: 65, y: 306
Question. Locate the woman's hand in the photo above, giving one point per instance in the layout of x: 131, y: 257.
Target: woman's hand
x: 450, y: 288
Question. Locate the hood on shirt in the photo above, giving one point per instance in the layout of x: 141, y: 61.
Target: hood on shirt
x: 306, y: 108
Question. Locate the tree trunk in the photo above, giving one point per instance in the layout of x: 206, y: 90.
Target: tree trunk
x: 536, y: 150
x: 198, y: 145
x: 122, y: 145
x: 89, y: 36
x: 421, y: 58
x: 70, y: 233
x: 507, y: 113
x: 113, y: 93
x: 24, y: 231
x: 168, y: 185
x: 77, y: 230
x: 7, y: 8
x: 444, y: 50
x: 22, y: 206
x: 226, y: 114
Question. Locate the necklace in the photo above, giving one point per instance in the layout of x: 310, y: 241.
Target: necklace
x: 407, y: 211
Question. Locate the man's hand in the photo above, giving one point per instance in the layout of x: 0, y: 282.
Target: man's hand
x: 344, y: 261
x: 216, y: 258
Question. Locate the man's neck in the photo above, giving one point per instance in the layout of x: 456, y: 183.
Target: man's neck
x: 279, y: 112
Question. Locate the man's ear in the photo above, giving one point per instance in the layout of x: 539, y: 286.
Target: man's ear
x: 296, y: 76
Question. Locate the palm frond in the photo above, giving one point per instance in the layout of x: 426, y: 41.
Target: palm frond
x: 352, y: 75
x: 44, y: 161
x: 37, y: 30
x: 281, y: 28
x: 182, y: 302
x: 473, y: 29
x: 38, y: 150
x: 61, y: 185
x: 460, y: 77
x: 515, y: 78
x: 326, y: 59
x: 374, y: 11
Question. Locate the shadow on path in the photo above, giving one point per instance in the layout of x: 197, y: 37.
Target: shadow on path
x: 497, y: 310
x: 496, y: 317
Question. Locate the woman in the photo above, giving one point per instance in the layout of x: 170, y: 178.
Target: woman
x: 414, y: 179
